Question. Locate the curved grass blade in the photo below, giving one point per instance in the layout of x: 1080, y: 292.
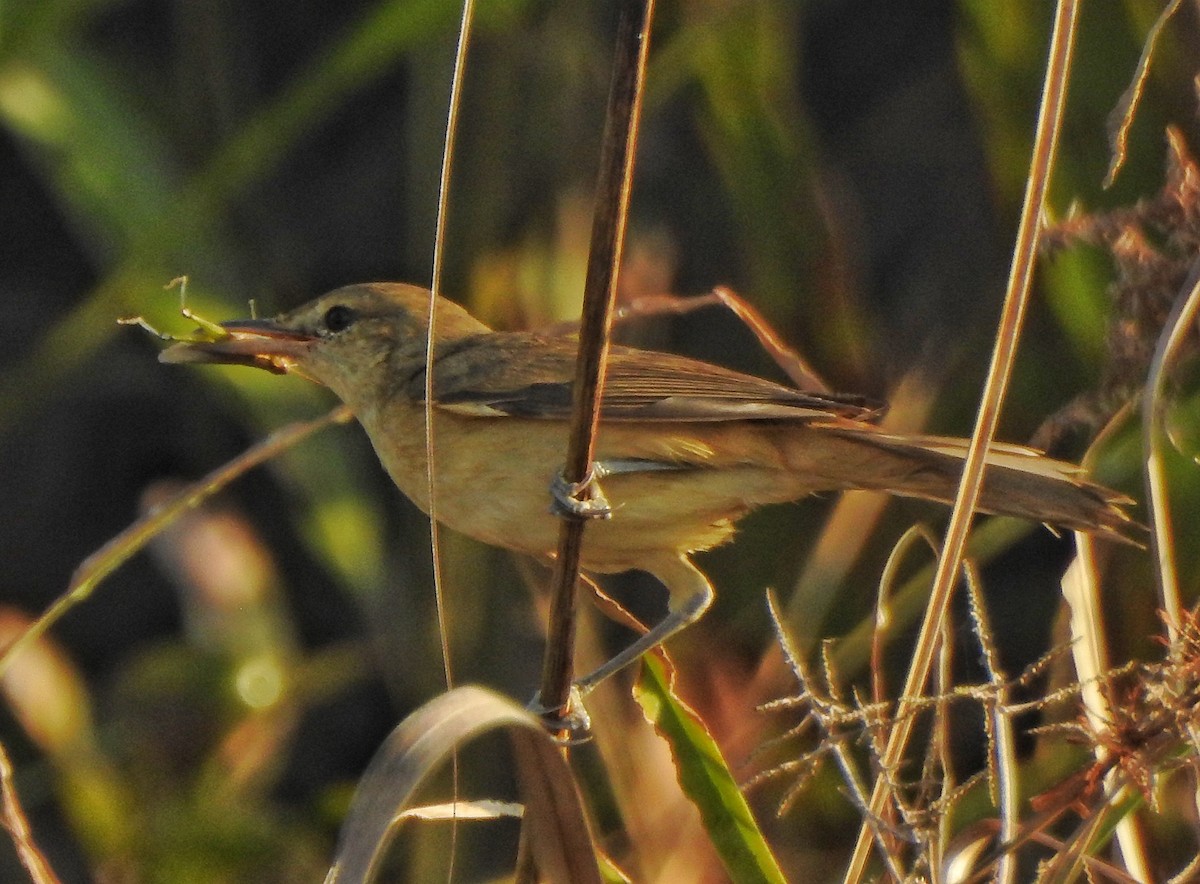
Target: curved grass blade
x: 117, y: 551
x: 558, y: 832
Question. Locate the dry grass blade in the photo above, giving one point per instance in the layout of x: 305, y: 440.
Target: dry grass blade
x: 1121, y: 118
x: 1175, y: 332
x: 464, y: 809
x: 555, y: 823
x: 1089, y: 649
x: 883, y: 616
x: 117, y: 551
x: 18, y: 827
x: 1000, y: 369
x: 803, y: 375
x: 1002, y: 751
x: 435, y: 285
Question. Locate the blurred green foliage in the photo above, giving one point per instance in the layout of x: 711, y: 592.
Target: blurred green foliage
x: 852, y: 169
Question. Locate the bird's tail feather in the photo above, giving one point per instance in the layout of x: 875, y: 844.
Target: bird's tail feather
x: 1018, y: 481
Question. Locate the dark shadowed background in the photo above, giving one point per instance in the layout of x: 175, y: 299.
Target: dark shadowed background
x: 854, y: 168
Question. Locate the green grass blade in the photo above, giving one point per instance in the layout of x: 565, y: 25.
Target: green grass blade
x: 706, y: 779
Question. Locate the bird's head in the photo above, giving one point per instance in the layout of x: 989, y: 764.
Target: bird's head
x: 349, y: 339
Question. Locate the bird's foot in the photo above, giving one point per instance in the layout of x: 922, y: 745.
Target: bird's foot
x: 580, y: 500
x: 572, y: 729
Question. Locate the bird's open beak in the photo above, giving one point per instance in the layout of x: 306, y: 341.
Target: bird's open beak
x: 260, y: 343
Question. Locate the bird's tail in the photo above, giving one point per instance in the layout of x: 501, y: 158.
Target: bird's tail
x: 1018, y: 481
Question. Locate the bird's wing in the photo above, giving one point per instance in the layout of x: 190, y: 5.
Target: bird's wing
x: 524, y: 375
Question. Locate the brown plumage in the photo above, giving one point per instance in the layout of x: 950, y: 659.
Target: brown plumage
x: 685, y: 448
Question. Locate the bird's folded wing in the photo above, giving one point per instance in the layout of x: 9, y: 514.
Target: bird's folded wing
x: 534, y: 377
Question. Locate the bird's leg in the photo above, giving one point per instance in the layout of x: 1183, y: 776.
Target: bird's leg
x: 691, y: 594
x: 576, y: 723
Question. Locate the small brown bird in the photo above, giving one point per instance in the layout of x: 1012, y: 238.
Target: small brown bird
x: 684, y: 450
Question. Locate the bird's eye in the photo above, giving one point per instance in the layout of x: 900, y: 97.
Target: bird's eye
x: 338, y: 318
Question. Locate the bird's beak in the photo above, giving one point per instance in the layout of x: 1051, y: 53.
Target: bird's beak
x: 260, y: 343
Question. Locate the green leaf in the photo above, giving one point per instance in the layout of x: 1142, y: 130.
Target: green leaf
x: 705, y: 779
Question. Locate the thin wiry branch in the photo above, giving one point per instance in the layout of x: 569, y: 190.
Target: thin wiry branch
x: 604, y: 257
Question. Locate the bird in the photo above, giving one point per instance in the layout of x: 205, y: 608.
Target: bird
x: 684, y: 448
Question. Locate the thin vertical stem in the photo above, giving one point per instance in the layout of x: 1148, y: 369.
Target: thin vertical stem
x: 435, y: 285
x: 604, y: 258
x: 1176, y: 329
x: 1015, y: 300
x: 439, y: 236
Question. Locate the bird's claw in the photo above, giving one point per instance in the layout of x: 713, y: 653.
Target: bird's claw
x: 580, y: 500
x: 572, y: 729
